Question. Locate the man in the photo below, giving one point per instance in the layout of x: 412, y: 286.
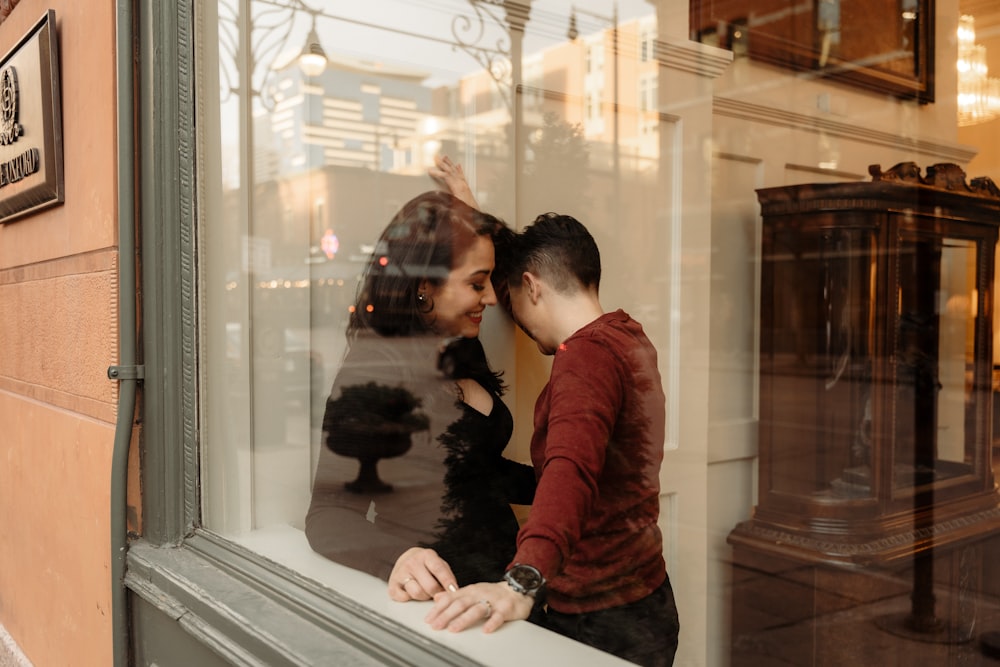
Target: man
x: 590, y: 552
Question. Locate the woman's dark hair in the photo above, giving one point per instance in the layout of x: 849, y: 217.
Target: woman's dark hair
x: 426, y: 239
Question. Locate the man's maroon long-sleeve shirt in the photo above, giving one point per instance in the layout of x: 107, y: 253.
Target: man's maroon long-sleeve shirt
x: 597, y: 448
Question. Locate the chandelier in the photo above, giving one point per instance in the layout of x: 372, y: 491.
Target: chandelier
x: 978, y: 94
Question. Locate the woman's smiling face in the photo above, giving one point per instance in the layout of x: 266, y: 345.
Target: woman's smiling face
x: 460, y: 300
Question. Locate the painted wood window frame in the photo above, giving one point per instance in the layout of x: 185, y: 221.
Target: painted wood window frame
x: 187, y: 586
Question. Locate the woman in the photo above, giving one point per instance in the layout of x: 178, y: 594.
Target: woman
x: 415, y: 428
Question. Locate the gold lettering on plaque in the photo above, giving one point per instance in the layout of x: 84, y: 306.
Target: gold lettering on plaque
x: 21, y: 166
x: 10, y: 129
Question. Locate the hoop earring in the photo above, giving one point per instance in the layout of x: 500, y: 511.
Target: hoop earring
x: 425, y: 304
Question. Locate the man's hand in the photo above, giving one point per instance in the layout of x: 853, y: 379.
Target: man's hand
x: 419, y: 574
x: 451, y: 177
x: 491, y: 604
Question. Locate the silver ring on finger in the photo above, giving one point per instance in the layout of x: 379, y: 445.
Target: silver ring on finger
x: 489, y: 608
x: 403, y: 583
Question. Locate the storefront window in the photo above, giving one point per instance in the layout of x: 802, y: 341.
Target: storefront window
x: 668, y: 138
x: 305, y: 163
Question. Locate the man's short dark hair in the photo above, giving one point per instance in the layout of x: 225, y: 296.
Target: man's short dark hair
x: 558, y: 248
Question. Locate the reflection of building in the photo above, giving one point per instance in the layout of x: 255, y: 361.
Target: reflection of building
x: 363, y: 114
x: 380, y: 121
x: 355, y: 114
x: 581, y: 71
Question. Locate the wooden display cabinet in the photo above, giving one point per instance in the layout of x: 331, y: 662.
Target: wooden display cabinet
x: 876, y: 337
x: 875, y: 365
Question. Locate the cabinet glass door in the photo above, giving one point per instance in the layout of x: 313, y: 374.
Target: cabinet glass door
x: 822, y: 347
x: 935, y: 361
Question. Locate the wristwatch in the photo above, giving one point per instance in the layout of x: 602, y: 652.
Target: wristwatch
x: 525, y: 579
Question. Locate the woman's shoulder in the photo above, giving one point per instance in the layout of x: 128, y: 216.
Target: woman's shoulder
x: 475, y: 396
x: 465, y: 358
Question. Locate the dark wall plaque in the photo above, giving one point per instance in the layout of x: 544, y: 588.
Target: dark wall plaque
x: 31, y: 160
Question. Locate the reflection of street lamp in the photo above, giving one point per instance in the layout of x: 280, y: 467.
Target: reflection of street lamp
x: 272, y: 25
x: 573, y: 33
x: 313, y: 59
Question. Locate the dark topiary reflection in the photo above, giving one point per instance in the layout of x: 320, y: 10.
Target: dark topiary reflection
x: 370, y: 422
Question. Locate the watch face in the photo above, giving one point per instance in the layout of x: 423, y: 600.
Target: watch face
x: 527, y: 577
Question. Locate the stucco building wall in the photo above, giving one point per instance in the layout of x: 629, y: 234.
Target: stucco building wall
x: 58, y: 335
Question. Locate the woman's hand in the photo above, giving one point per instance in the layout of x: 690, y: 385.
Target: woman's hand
x: 491, y: 604
x: 419, y: 574
x: 451, y: 177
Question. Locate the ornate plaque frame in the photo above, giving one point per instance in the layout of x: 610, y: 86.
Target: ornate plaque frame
x: 31, y: 147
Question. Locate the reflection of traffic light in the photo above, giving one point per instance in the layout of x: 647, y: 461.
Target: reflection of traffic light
x: 330, y: 244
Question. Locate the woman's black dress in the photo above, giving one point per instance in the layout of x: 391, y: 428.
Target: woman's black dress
x: 450, y: 491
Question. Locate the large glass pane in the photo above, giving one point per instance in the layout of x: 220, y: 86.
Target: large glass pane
x: 654, y: 124
x: 305, y: 167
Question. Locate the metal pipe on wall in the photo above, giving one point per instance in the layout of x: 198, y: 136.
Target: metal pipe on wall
x: 127, y: 373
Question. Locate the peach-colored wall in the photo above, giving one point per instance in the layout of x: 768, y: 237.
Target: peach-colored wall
x: 58, y: 335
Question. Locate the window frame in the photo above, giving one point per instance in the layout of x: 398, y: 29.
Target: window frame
x: 186, y: 583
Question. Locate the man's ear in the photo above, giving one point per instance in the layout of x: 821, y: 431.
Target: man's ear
x: 532, y: 285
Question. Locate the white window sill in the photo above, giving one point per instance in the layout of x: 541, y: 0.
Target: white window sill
x: 518, y: 643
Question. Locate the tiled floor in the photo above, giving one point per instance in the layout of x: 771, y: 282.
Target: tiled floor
x: 872, y: 634
x: 788, y: 613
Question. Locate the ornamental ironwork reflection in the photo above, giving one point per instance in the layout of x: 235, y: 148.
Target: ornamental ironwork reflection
x: 258, y: 43
x: 254, y: 34
x: 497, y: 60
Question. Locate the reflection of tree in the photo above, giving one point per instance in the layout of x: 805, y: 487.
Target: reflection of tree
x: 559, y: 168
x: 556, y: 172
